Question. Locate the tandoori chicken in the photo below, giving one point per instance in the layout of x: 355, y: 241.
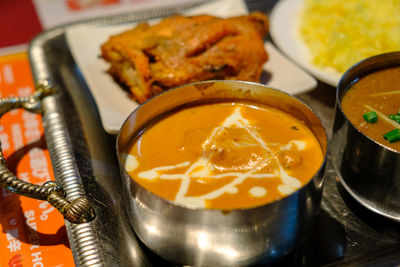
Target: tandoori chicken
x: 149, y: 59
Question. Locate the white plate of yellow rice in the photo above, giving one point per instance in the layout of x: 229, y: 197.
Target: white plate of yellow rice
x: 326, y: 37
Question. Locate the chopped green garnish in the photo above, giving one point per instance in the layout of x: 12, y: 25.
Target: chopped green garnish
x: 370, y: 116
x: 392, y: 136
x: 395, y: 117
x: 383, y: 117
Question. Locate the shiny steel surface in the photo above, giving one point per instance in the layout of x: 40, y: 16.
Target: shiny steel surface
x: 82, y: 156
x: 344, y: 234
x: 205, y: 237
x: 76, y: 210
x: 68, y: 175
x: 369, y: 171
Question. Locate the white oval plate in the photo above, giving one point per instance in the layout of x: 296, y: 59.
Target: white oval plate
x: 114, y: 104
x: 284, y: 21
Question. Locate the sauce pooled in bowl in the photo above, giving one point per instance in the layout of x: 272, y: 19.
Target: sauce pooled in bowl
x: 224, y: 156
x: 376, y: 94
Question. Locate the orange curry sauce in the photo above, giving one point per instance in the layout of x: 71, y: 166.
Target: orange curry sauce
x: 224, y: 156
x: 378, y: 91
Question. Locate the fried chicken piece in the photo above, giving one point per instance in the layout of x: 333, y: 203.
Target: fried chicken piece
x: 179, y: 50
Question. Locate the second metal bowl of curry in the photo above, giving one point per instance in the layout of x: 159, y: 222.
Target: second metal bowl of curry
x: 366, y: 133
x: 202, y: 236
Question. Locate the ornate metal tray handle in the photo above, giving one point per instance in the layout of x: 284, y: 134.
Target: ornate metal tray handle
x: 76, y: 211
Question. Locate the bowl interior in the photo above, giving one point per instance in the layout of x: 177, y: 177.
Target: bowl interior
x: 209, y: 91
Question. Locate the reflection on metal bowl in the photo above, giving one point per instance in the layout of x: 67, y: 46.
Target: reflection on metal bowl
x: 210, y: 237
x: 368, y: 170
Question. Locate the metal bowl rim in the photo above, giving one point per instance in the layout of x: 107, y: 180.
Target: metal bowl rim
x: 343, y: 86
x: 247, y: 209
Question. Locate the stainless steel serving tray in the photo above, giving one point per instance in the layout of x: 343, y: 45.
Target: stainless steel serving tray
x: 345, y: 232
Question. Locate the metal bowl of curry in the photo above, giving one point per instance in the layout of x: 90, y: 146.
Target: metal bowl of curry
x: 222, y: 173
x: 366, y: 133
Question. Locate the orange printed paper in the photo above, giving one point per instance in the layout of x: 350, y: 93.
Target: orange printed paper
x: 75, y: 5
x: 32, y: 231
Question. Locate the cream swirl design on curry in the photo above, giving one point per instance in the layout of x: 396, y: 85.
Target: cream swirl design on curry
x: 237, y: 155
